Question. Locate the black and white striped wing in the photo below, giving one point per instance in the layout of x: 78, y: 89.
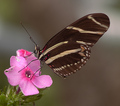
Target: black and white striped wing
x: 69, y: 50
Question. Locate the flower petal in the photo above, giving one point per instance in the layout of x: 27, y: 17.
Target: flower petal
x: 34, y: 65
x: 13, y: 75
x: 34, y: 62
x: 42, y: 81
x: 27, y: 87
x: 23, y: 53
x: 18, y: 61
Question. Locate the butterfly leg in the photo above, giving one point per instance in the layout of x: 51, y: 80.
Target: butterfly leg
x: 28, y: 64
x: 36, y: 72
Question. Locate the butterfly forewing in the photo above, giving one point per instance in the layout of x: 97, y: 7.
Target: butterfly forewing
x: 69, y: 50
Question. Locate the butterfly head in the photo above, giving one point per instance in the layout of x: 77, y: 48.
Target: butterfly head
x: 37, y: 50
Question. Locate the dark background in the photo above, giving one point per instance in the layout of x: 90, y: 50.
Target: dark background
x: 98, y: 82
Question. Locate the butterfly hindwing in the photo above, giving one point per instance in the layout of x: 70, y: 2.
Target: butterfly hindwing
x: 69, y: 50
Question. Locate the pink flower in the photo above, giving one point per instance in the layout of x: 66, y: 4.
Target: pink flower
x: 26, y: 77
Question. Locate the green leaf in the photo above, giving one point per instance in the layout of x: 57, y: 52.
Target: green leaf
x: 3, y: 100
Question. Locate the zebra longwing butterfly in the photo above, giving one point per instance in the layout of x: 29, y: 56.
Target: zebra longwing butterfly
x: 67, y: 51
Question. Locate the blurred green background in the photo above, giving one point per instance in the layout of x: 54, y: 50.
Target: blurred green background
x: 98, y: 82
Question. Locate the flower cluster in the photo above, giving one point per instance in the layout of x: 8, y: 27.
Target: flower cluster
x: 25, y: 71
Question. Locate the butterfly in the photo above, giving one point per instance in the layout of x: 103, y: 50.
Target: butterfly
x: 70, y: 49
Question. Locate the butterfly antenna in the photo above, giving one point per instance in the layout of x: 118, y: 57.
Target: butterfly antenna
x: 28, y: 34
